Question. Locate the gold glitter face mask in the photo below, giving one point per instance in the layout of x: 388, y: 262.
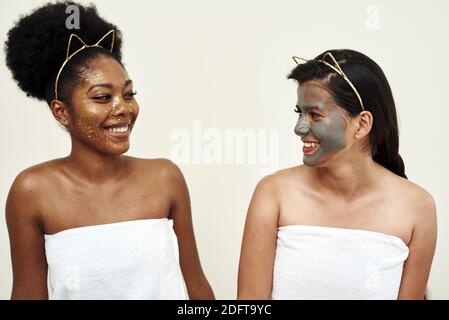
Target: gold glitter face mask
x: 104, y: 99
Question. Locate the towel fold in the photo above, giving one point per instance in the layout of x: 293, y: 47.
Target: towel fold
x: 314, y: 262
x: 136, y: 259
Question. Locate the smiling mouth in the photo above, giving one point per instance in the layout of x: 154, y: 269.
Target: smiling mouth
x: 310, y: 147
x: 118, y: 132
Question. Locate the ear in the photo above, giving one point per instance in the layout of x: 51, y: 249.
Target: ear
x: 364, y: 124
x: 60, y: 112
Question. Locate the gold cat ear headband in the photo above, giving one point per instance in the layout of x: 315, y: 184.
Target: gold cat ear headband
x: 337, y: 69
x: 85, y: 46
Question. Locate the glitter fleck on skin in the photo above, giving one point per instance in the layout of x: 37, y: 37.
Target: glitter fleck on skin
x: 83, y: 123
x: 91, y: 76
x: 115, y: 103
x: 96, y: 77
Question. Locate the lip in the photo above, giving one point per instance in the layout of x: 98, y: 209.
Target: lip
x: 117, y: 124
x: 307, y: 140
x: 310, y: 150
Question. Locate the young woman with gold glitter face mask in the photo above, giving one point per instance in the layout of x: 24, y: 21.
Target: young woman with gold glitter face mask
x: 103, y: 108
x: 102, y: 225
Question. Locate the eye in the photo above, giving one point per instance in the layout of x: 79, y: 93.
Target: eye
x: 130, y: 95
x: 102, y: 98
x: 315, y: 115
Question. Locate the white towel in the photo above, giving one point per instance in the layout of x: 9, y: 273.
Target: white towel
x: 334, y: 263
x: 136, y: 259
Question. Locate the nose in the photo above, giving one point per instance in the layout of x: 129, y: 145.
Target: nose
x: 119, y: 108
x: 302, y: 127
x: 302, y: 131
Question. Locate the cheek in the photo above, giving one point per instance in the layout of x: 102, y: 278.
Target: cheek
x: 332, y: 133
x: 84, y: 124
x: 134, y: 106
x: 88, y: 118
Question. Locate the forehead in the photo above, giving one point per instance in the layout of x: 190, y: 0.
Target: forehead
x: 105, y: 70
x: 314, y: 93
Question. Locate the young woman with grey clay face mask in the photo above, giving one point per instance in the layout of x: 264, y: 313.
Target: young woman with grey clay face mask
x: 102, y: 225
x: 347, y: 224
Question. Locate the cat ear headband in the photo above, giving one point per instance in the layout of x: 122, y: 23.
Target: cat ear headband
x: 85, y: 46
x: 336, y: 67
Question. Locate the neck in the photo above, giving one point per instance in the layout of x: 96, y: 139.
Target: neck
x: 349, y: 179
x: 94, y: 166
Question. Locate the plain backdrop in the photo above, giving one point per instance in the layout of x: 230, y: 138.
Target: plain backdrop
x: 205, y: 68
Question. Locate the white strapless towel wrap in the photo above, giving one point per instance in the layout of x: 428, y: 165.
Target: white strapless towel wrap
x: 333, y: 263
x: 136, y: 259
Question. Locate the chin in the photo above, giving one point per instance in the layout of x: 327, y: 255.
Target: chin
x: 314, y: 163
x: 323, y: 161
x: 119, y: 151
x: 310, y: 162
x: 115, y: 149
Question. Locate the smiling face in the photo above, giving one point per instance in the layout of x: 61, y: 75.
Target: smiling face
x: 322, y: 125
x: 103, y: 109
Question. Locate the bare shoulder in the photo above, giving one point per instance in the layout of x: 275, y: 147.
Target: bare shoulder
x: 423, y: 204
x: 415, y: 198
x: 271, y: 187
x: 33, y: 179
x: 164, y: 170
x: 296, y: 173
x: 287, y: 179
x: 27, y: 188
x: 417, y: 195
x: 268, y: 184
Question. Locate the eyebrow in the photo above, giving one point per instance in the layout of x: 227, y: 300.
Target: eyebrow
x: 108, y: 85
x: 308, y: 107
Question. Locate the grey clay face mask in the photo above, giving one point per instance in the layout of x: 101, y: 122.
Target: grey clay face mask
x: 319, y: 121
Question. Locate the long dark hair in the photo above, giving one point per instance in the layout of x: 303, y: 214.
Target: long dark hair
x: 373, y: 87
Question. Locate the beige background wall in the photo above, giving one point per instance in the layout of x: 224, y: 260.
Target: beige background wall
x: 206, y: 69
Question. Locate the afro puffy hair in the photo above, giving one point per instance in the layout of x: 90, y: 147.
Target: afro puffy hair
x: 36, y: 46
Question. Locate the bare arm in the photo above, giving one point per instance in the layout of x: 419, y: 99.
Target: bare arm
x: 26, y: 242
x: 422, y: 248
x: 255, y: 279
x: 196, y: 282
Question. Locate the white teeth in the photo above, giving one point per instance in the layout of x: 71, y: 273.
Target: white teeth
x: 118, y: 129
x: 310, y: 144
